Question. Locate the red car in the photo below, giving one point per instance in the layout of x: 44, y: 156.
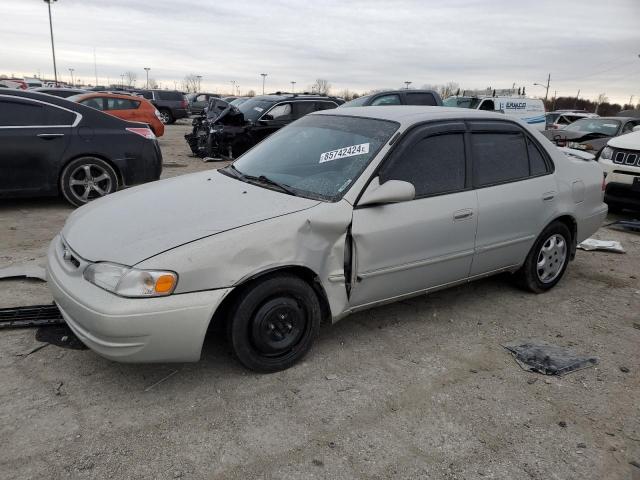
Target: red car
x: 127, y: 107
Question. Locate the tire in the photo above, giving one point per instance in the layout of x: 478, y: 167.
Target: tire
x: 273, y: 323
x: 166, y: 117
x: 87, y: 178
x: 547, y: 260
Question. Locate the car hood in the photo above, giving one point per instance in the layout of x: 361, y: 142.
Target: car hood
x: 135, y: 224
x: 629, y: 141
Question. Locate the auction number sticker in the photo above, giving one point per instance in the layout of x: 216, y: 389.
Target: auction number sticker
x: 344, y: 152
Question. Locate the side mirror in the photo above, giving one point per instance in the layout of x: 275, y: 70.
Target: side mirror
x: 391, y: 191
x: 266, y: 117
x: 636, y: 128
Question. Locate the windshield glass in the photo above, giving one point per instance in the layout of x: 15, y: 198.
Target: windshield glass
x: 318, y: 156
x: 254, y: 108
x: 462, y: 102
x: 356, y: 102
x: 594, y: 125
x: 551, y: 118
x: 238, y: 101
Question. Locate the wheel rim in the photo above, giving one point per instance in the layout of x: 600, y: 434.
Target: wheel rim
x: 551, y: 258
x: 278, y: 326
x: 90, y: 181
x: 164, y: 116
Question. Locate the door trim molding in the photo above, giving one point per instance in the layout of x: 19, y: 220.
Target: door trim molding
x: 418, y: 263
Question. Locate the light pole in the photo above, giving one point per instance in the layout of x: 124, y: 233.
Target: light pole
x: 546, y: 95
x: 264, y: 75
x: 407, y: 83
x: 233, y: 87
x: 53, y: 49
x: 199, y: 77
x: 71, y: 72
x: 293, y: 87
x: 122, y: 77
x: 147, y: 70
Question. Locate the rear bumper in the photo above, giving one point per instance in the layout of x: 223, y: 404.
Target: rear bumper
x: 146, y: 167
x: 180, y: 113
x: 587, y: 226
x: 164, y: 329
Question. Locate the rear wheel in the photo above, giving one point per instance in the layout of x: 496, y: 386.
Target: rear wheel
x: 273, y: 323
x: 548, y: 259
x: 87, y: 178
x: 166, y: 117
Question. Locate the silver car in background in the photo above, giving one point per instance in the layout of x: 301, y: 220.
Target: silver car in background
x: 340, y: 211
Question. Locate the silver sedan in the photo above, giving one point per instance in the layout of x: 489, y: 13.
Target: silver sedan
x: 340, y: 211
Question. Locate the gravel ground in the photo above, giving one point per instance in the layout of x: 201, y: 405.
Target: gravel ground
x: 417, y: 389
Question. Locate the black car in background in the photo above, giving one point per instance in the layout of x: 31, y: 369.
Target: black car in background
x: 398, y: 97
x: 171, y: 104
x: 51, y: 146
x: 238, y: 128
x: 59, y: 92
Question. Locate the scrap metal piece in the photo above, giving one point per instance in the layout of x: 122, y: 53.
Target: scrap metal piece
x: 628, y: 225
x: 31, y: 316
x: 606, y: 245
x: 26, y: 269
x: 547, y: 359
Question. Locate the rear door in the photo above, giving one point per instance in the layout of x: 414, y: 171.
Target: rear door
x: 403, y: 248
x: 516, y: 193
x: 33, y: 136
x: 124, y: 108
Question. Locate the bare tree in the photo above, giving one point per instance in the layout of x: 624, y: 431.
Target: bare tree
x: 251, y: 93
x: 153, y: 83
x: 602, y: 98
x: 321, y: 87
x: 130, y: 78
x: 191, y: 83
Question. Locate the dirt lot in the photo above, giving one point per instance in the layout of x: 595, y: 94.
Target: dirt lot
x: 418, y: 389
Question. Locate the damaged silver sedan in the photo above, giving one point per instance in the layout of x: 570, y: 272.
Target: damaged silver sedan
x: 337, y: 212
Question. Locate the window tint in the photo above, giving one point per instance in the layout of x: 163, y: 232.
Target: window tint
x: 498, y: 157
x: 325, y: 105
x: 563, y: 120
x: 201, y: 98
x: 174, y: 96
x: 58, y: 116
x: 147, y: 95
x: 418, y: 98
x: 536, y: 160
x: 433, y: 165
x: 14, y: 113
x: 121, y: 104
x: 392, y: 99
x: 93, y: 103
x: 281, y: 112
x: 629, y: 126
x: 300, y: 109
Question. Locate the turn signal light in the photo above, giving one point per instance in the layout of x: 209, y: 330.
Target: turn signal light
x: 165, y: 283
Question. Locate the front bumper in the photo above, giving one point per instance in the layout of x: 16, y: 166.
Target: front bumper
x: 162, y: 329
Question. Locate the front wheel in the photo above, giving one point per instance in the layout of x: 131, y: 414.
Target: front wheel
x: 273, y: 323
x: 548, y: 259
x: 87, y: 178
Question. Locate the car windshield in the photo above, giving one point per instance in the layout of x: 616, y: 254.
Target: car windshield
x: 551, y: 118
x: 318, y: 156
x: 462, y: 102
x: 356, y: 102
x: 252, y: 109
x: 238, y: 101
x: 595, y: 125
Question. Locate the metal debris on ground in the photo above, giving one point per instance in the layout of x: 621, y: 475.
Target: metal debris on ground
x: 633, y: 225
x: 606, y: 245
x: 30, y: 316
x: 25, y: 269
x: 171, y: 374
x: 547, y: 359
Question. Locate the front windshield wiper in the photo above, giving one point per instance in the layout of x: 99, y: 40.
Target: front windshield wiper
x: 269, y: 181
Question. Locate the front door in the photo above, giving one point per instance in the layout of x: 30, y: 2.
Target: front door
x: 407, y: 247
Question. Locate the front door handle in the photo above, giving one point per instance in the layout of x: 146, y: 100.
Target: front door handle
x: 462, y: 214
x: 49, y: 136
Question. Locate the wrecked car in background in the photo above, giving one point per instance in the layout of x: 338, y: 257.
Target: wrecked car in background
x: 591, y: 134
x: 338, y: 212
x: 239, y: 127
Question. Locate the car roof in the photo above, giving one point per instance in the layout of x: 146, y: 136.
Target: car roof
x: 410, y: 114
x: 43, y: 97
x: 277, y: 97
x: 56, y: 89
x: 123, y: 96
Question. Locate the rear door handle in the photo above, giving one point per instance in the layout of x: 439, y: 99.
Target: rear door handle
x: 548, y: 196
x: 47, y: 136
x: 462, y: 214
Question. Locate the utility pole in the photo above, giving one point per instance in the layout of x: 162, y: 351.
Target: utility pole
x: 53, y: 48
x: 146, y: 69
x: 122, y: 77
x: 71, y: 71
x: 546, y: 95
x: 233, y: 87
x: 264, y: 75
x: 631, y: 100
x: 199, y: 77
x: 407, y: 83
x: 95, y: 66
x: 293, y: 87
x: 575, y: 104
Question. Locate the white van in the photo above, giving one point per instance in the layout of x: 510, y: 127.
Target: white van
x: 528, y: 110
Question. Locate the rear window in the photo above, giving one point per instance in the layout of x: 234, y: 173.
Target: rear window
x: 499, y: 158
x: 172, y: 96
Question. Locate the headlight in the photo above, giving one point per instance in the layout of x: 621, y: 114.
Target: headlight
x: 580, y: 146
x: 607, y: 153
x: 131, y: 282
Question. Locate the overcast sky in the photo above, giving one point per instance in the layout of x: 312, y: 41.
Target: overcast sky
x: 361, y: 45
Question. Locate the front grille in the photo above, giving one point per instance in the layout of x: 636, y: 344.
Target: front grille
x: 630, y: 158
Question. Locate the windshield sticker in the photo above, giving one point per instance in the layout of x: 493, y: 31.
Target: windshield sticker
x: 351, y: 151
x: 258, y: 109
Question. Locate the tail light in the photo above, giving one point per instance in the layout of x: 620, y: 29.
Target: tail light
x: 184, y: 104
x: 604, y: 184
x: 142, y: 131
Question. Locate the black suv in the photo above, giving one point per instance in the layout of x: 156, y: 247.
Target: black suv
x: 238, y: 128
x: 398, y: 97
x: 171, y: 104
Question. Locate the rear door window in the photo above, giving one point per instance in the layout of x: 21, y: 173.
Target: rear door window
x: 95, y: 102
x: 537, y: 163
x: 121, y: 104
x: 282, y: 112
x: 17, y: 114
x: 171, y: 96
x: 391, y: 99
x: 499, y: 157
x: 58, y: 116
x: 420, y: 98
x: 326, y: 105
x: 300, y: 109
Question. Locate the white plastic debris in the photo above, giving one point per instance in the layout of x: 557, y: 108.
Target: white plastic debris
x: 27, y: 269
x: 606, y: 245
